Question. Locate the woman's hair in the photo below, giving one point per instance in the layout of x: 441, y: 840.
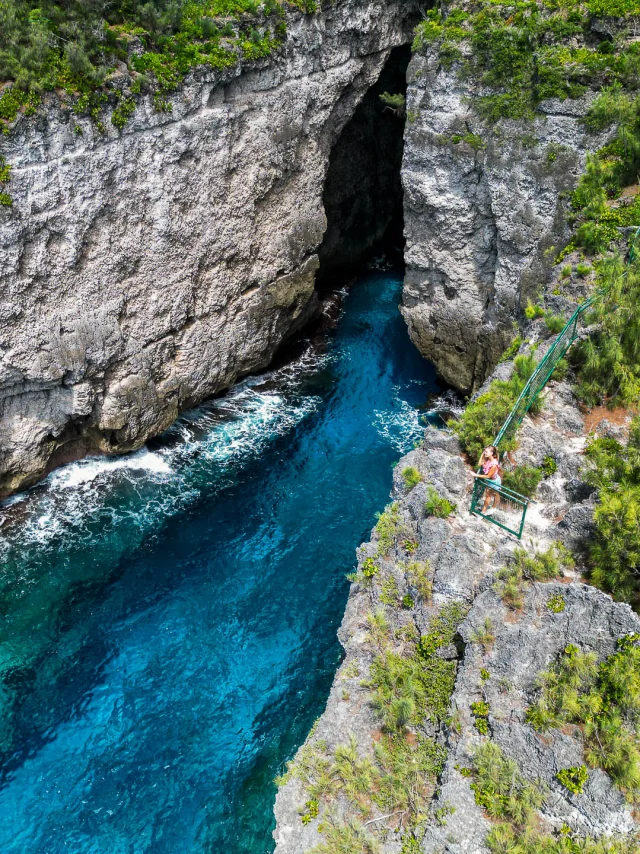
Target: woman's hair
x: 493, y: 450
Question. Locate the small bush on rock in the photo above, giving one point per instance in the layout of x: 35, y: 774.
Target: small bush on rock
x: 419, y: 575
x: 411, y: 477
x: 438, y: 506
x: 500, y: 789
x: 387, y: 528
x: 554, y: 322
x: 573, y: 779
x: 484, y: 634
x: 523, y: 480
x: 541, y: 566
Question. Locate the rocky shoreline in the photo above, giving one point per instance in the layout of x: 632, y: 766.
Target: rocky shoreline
x: 499, y: 666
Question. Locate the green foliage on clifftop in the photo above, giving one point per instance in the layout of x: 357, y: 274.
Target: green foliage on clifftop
x: 482, y: 419
x: 80, y: 47
x: 511, y: 801
x: 525, y: 52
x: 615, y: 548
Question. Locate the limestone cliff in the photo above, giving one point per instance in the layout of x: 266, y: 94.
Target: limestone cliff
x: 485, y: 214
x: 495, y: 659
x: 146, y: 269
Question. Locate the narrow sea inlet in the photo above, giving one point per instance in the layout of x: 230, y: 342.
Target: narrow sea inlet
x: 169, y: 619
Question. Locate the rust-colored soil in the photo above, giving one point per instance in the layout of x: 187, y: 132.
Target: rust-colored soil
x: 595, y: 416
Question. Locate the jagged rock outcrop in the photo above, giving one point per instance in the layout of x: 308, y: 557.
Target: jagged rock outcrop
x: 465, y: 556
x: 144, y: 270
x: 481, y: 216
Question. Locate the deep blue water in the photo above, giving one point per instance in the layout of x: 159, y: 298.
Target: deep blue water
x: 169, y: 619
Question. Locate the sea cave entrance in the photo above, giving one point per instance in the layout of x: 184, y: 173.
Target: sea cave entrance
x: 363, y: 190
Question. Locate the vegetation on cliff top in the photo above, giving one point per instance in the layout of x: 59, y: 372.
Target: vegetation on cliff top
x: 614, y: 469
x: 604, y: 700
x: 409, y: 685
x: 511, y: 801
x: 529, y: 51
x: 77, y: 48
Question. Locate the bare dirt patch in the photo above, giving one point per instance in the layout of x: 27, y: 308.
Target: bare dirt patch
x: 594, y: 417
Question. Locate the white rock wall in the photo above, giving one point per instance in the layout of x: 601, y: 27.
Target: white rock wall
x: 480, y: 223
x: 143, y: 270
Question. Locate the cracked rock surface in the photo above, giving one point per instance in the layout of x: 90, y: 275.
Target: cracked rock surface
x: 479, y: 218
x: 466, y: 554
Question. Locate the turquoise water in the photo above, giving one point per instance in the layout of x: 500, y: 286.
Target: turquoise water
x: 169, y: 618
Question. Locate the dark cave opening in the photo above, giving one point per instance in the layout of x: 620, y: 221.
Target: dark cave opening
x: 363, y: 189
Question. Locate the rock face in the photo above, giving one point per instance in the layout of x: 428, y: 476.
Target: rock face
x: 465, y: 555
x: 480, y: 216
x: 144, y: 270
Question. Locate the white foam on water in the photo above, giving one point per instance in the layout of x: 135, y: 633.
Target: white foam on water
x: 221, y: 434
x: 400, y: 428
x: 86, y: 471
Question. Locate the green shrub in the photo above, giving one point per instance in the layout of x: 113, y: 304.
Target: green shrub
x: 438, y: 506
x: 408, y: 689
x: 5, y: 171
x: 560, y: 371
x: 378, y: 631
x: 609, y: 361
x: 443, y: 628
x: 573, y: 779
x: 566, y: 271
x: 532, y: 312
x: 512, y: 801
x: 387, y: 528
x: 556, y: 604
x: 312, y: 810
x: 389, y: 593
x: 395, y: 103
x: 509, y: 586
x: 500, y: 789
x: 614, y: 469
x: 554, y: 322
x: 369, y: 567
x: 583, y: 270
x: 125, y: 109
x: 77, y: 48
x: 549, y: 466
x: 480, y: 711
x: 540, y: 566
x: 484, y: 634
x: 510, y: 839
x: 410, y: 545
x: 419, y: 576
x: 483, y: 418
x: 411, y: 477
x: 604, y: 699
x: 523, y: 480
x: 512, y: 349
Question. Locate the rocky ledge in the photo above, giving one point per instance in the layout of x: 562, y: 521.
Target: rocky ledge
x: 433, y: 591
